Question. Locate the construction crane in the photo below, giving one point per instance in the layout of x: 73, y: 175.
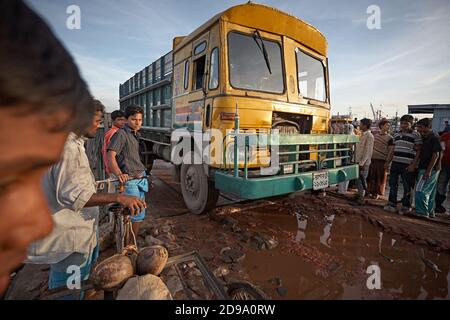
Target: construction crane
x: 373, y: 112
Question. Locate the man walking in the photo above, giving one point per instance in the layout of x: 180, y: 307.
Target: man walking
x: 429, y: 167
x: 69, y: 188
x: 403, y: 162
x: 119, y: 120
x: 444, y: 176
x: 125, y: 161
x: 364, y: 152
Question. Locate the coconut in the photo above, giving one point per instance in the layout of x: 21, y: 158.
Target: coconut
x: 148, y: 287
x: 112, y: 272
x: 151, y: 260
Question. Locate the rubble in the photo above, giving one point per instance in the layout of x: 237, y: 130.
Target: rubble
x: 152, y: 241
x: 221, y: 271
x: 232, y: 255
x: 264, y: 242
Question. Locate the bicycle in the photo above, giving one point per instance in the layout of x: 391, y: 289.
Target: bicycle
x: 120, y: 218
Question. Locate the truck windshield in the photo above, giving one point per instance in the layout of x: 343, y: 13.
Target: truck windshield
x: 311, y: 76
x: 250, y: 68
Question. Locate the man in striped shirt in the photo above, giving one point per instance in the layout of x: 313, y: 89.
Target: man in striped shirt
x: 407, y: 145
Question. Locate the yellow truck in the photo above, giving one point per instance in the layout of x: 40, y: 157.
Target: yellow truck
x: 253, y: 82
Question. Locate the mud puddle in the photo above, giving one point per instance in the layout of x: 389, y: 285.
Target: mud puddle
x: 324, y: 256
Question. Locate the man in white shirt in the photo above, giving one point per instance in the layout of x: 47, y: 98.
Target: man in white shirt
x: 69, y: 188
x: 364, y: 152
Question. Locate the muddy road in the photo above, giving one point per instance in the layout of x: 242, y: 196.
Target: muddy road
x: 301, y: 246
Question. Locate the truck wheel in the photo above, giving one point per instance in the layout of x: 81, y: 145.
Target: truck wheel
x: 198, y: 191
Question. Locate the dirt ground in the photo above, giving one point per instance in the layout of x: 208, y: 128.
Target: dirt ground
x: 301, y: 246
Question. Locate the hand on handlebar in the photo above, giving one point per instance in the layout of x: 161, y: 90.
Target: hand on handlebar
x: 123, y: 177
x: 134, y: 204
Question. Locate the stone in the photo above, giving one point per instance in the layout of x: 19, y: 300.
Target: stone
x: 263, y: 242
x: 232, y: 255
x: 229, y: 221
x: 222, y: 251
x: 155, y: 232
x: 148, y: 287
x: 167, y: 238
x: 112, y: 272
x: 236, y: 267
x: 166, y: 229
x: 271, y: 243
x: 236, y: 228
x: 276, y: 282
x: 221, y: 271
x: 194, y: 272
x: 258, y: 242
x: 152, y: 241
x: 334, y: 267
x: 174, y: 285
x: 207, y: 255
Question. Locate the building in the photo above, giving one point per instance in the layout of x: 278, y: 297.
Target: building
x: 151, y: 88
x: 440, y: 112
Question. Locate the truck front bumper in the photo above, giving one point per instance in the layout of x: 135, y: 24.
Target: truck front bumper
x: 263, y: 187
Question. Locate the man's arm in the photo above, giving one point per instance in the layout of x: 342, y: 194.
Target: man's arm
x: 123, y: 177
x: 368, y: 151
x: 133, y: 203
x: 390, y: 156
x: 114, y: 148
x: 418, y: 148
x: 431, y: 165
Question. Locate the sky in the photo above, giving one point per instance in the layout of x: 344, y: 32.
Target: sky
x: 407, y: 61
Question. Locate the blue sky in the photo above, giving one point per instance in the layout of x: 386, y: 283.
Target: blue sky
x: 406, y: 62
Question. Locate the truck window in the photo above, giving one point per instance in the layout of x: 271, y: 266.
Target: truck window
x: 199, y: 71
x: 249, y: 69
x: 200, y: 48
x: 311, y: 76
x: 186, y: 75
x: 214, y: 69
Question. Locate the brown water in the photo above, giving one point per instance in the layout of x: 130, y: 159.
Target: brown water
x: 326, y: 257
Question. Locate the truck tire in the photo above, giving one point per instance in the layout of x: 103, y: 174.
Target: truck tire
x: 199, y: 193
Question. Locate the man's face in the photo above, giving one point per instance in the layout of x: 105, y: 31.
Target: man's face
x: 423, y: 130
x: 120, y: 122
x: 405, y: 125
x: 96, y: 121
x: 386, y: 127
x: 135, y: 122
x: 26, y: 155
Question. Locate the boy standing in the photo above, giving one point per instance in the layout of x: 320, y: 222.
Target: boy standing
x: 364, y: 152
x: 124, y: 159
x: 407, y: 144
x: 119, y: 120
x: 444, y: 176
x: 429, y: 167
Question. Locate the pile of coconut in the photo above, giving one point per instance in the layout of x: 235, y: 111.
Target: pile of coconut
x: 133, y: 275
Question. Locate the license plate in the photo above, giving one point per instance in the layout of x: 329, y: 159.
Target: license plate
x: 320, y: 180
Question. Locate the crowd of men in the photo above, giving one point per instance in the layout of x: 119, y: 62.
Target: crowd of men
x: 415, y: 156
